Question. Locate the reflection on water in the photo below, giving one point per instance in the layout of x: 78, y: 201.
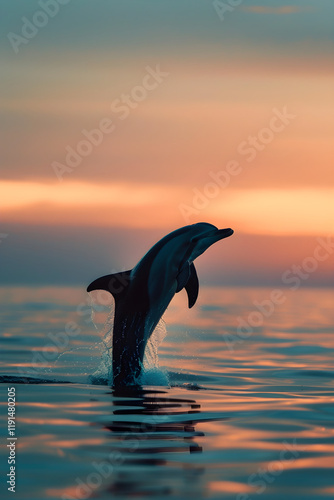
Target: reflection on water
x: 147, y: 427
x: 242, y: 418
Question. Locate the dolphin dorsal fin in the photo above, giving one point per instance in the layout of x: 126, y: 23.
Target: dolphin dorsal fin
x: 188, y: 279
x: 116, y: 283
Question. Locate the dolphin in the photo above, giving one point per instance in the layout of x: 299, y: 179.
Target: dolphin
x: 143, y: 293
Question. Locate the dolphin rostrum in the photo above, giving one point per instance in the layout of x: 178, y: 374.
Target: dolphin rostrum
x: 143, y: 293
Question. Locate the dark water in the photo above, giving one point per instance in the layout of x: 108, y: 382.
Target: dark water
x: 241, y: 407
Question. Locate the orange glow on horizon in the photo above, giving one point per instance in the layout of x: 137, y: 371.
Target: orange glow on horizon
x: 275, y: 211
x: 254, y: 211
x: 19, y: 194
x: 263, y: 9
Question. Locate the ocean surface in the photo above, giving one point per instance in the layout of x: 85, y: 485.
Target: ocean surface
x: 237, y: 400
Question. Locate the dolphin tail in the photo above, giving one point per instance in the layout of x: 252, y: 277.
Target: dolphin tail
x: 115, y: 284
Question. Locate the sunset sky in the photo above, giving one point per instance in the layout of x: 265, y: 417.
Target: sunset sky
x: 121, y: 121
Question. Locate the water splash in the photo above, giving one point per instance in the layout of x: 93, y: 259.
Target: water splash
x: 152, y: 374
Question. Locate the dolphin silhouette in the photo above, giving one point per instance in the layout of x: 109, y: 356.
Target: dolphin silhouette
x: 143, y: 293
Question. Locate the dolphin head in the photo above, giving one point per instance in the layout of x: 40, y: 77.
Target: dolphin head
x: 205, y: 235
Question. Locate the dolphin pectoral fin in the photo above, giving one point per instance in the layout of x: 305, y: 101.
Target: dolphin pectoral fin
x: 187, y: 278
x: 112, y: 283
x: 183, y: 277
x: 192, y: 286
